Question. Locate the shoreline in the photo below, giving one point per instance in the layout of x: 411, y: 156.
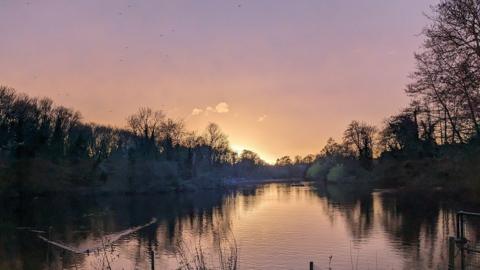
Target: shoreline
x: 252, y: 182
x: 227, y: 184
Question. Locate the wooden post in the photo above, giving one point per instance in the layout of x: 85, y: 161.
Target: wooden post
x: 451, y: 253
x: 459, y: 215
x: 462, y: 257
x: 152, y: 255
x: 311, y: 265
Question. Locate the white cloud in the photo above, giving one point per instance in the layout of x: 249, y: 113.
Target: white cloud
x: 196, y: 111
x: 222, y: 107
x: 262, y: 118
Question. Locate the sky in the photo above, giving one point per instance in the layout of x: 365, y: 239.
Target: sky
x: 279, y: 76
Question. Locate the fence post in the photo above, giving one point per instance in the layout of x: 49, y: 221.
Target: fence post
x: 451, y: 253
x: 459, y: 234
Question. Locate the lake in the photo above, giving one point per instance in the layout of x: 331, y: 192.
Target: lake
x: 271, y: 226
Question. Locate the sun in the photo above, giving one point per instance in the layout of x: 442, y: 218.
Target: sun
x: 238, y: 148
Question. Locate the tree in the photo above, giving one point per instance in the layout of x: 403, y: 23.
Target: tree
x: 80, y: 142
x: 145, y: 124
x: 447, y: 77
x: 297, y: 160
x: 45, y: 119
x: 308, y: 159
x: 103, y: 142
x: 334, y: 150
x: 7, y: 98
x: 64, y: 121
x: 218, y: 143
x: 456, y: 25
x: 432, y: 85
x: 171, y: 135
x: 400, y: 133
x: 359, y: 137
x: 23, y: 125
x: 284, y: 161
x: 250, y: 159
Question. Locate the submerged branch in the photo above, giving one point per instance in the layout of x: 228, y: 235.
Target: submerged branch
x: 107, y: 240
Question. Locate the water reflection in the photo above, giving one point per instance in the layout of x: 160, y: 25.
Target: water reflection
x: 276, y: 226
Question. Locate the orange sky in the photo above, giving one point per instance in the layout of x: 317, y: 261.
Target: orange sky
x: 278, y: 76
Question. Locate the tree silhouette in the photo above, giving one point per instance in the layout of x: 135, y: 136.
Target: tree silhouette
x: 145, y: 124
x: 359, y: 136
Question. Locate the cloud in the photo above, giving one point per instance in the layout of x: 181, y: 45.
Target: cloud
x: 222, y: 107
x: 196, y: 111
x: 262, y: 118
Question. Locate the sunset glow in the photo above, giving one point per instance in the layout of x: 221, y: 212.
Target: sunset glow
x: 279, y: 77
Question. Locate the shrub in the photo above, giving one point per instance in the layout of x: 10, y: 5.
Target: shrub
x: 337, y: 173
x: 320, y: 169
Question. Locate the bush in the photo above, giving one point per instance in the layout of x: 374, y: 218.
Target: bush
x: 320, y: 169
x: 337, y: 173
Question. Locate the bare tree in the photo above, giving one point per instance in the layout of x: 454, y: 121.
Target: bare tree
x: 218, y: 143
x: 334, y: 149
x: 360, y: 137
x: 146, y: 125
x: 171, y: 135
x: 447, y: 77
x: 65, y: 120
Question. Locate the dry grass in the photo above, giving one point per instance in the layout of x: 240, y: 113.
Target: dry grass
x: 223, y: 255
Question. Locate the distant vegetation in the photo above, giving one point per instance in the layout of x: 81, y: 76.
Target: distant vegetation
x: 46, y: 148
x: 435, y: 141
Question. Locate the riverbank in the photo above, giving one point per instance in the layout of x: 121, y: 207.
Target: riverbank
x: 254, y: 182
x: 119, y: 175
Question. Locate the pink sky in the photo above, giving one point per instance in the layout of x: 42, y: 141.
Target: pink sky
x: 279, y: 77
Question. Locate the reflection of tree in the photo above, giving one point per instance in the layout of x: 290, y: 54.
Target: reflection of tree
x: 405, y: 217
x: 418, y: 226
x: 355, y: 203
x: 80, y: 220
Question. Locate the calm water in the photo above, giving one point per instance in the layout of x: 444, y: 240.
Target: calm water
x: 275, y: 226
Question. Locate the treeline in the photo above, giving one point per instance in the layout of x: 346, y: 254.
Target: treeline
x: 32, y: 127
x: 440, y: 127
x: 44, y: 147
